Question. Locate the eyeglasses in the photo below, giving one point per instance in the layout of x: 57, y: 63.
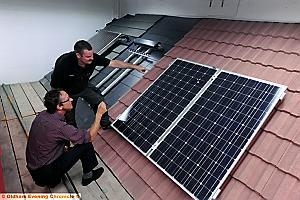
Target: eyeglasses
x: 69, y: 99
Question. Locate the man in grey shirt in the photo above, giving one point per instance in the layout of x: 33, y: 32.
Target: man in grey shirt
x: 46, y: 155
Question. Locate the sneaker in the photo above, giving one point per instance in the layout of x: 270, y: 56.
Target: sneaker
x: 96, y: 174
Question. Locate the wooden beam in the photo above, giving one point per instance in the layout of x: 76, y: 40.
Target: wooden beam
x: 10, y: 170
x: 27, y: 121
x: 46, y: 84
x: 7, y: 106
x: 22, y: 101
x: 33, y: 97
x: 39, y: 89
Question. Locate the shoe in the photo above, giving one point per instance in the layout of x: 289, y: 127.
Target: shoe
x: 96, y: 174
x: 106, y: 126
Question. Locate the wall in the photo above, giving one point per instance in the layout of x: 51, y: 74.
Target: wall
x: 260, y: 10
x: 35, y: 32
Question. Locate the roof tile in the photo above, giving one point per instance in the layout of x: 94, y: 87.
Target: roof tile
x: 236, y: 190
x: 283, y: 125
x: 273, y: 184
x: 295, y: 83
x: 164, y: 62
x: 245, y: 171
x: 141, y: 85
x: 291, y: 104
x: 129, y: 97
x: 138, y: 164
x: 135, y: 185
x: 268, y: 51
x: 149, y: 194
x: 294, y: 192
x: 148, y: 171
x: 290, y: 161
x: 269, y: 147
x: 153, y: 73
x: 115, y: 111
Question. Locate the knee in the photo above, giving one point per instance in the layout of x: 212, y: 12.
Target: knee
x: 85, y: 146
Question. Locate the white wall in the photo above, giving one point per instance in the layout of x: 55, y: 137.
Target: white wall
x: 35, y: 32
x: 260, y: 10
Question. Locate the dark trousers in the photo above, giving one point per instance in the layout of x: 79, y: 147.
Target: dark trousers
x: 50, y: 175
x: 92, y: 97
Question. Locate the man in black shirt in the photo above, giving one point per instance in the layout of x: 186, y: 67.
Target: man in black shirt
x: 72, y: 72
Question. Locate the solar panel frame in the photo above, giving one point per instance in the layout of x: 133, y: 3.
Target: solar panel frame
x: 279, y: 96
x: 130, y: 107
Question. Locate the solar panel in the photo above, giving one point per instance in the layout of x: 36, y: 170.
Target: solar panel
x: 209, y: 135
x: 162, y: 102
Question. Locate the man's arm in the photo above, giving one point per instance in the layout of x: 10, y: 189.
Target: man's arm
x: 121, y: 64
x: 57, y: 76
x: 96, y: 125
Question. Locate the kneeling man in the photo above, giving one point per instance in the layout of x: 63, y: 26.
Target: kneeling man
x: 47, y: 157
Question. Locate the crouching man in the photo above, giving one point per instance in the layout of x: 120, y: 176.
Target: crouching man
x: 46, y: 155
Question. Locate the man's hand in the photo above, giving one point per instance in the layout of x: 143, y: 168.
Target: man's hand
x: 140, y: 68
x: 124, y: 65
x: 101, y: 109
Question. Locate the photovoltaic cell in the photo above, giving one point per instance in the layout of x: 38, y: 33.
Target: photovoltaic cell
x: 201, y: 148
x: 197, y: 136
x: 162, y: 102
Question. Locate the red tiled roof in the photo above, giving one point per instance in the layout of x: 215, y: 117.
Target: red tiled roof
x: 271, y: 167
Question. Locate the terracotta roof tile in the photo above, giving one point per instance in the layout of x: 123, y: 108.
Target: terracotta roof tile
x: 245, y: 172
x: 273, y: 184
x: 116, y: 110
x: 294, y: 192
x: 291, y: 104
x: 284, y: 125
x: 149, y: 194
x: 163, y: 188
x: 290, y: 161
x: 297, y: 139
x: 121, y: 169
x: 129, y: 97
x: 131, y: 156
x: 164, y: 62
x: 295, y: 83
x: 141, y: 85
x: 269, y: 147
x: 285, y: 188
x: 236, y: 190
x: 139, y: 164
x: 270, y: 169
x: 148, y: 171
x: 135, y: 185
x: 123, y: 148
x: 153, y: 73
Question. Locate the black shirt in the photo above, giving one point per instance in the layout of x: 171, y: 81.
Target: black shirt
x: 72, y: 78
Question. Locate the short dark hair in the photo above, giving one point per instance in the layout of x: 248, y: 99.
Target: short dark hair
x: 51, y: 100
x: 81, y: 45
